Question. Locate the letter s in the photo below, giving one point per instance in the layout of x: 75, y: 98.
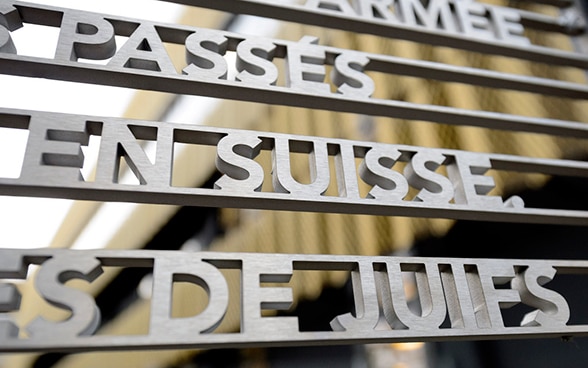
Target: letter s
x: 235, y: 154
x: 553, y: 310
x: 376, y: 170
x: 50, y: 280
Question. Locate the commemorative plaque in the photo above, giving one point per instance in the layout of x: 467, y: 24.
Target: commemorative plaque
x: 457, y: 298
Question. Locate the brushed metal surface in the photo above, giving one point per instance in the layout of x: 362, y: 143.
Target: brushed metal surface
x: 463, y: 190
x: 467, y: 291
x: 136, y: 66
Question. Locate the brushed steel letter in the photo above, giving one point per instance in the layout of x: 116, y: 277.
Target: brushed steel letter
x: 377, y: 9
x: 376, y: 170
x: 319, y: 168
x: 457, y: 296
x: 346, y: 172
x: 254, y: 62
x: 234, y: 158
x: 306, y: 69
x: 85, y: 35
x: 144, y: 50
x: 336, y: 5
x: 13, y: 267
x: 430, y: 294
x: 10, y: 17
x: 204, y: 55
x: 256, y: 298
x: 6, y: 43
x: 469, y: 181
x: 54, y: 153
x: 496, y: 299
x: 177, y: 268
x: 367, y: 311
x: 50, y: 283
x: 553, y: 309
x: 420, y: 173
x: 507, y: 26
x: 118, y: 140
x: 437, y: 14
x: 472, y: 19
x: 349, y: 77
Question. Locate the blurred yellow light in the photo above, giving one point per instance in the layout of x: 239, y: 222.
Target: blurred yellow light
x: 407, y: 346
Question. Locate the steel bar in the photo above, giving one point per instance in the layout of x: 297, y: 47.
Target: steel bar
x: 259, y: 88
x: 451, y: 292
x: 334, y: 19
x: 51, y: 16
x: 53, y: 159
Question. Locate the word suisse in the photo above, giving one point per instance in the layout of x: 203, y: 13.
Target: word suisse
x: 342, y: 176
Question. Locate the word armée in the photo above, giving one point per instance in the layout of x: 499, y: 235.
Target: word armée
x: 345, y: 176
x: 459, y: 298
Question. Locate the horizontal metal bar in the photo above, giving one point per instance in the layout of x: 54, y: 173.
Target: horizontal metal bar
x: 473, y: 76
x: 569, y: 26
x: 47, y: 180
x: 337, y: 20
x: 378, y: 277
x: 157, y: 81
x: 556, y: 3
x: 379, y: 63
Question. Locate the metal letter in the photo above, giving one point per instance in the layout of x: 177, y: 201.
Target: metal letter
x: 488, y: 307
x: 346, y: 172
x: 349, y: 77
x: 204, y: 55
x: 469, y: 181
x: 50, y: 283
x: 305, y: 64
x: 318, y: 158
x: 54, y: 152
x: 12, y: 266
x: 254, y: 62
x: 234, y: 158
x: 10, y: 17
x: 365, y: 297
x: 6, y: 44
x: 336, y: 5
x: 437, y: 14
x: 472, y: 19
x: 420, y: 173
x: 430, y: 294
x: 376, y: 170
x: 118, y: 140
x: 507, y: 26
x: 85, y: 35
x: 144, y: 50
x: 553, y: 310
x: 178, y: 268
x: 256, y: 298
x: 378, y: 9
x: 458, y: 296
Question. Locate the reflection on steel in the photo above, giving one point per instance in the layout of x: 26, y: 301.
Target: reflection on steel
x: 445, y: 183
x: 205, y: 73
x: 447, y: 23
x: 464, y: 292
